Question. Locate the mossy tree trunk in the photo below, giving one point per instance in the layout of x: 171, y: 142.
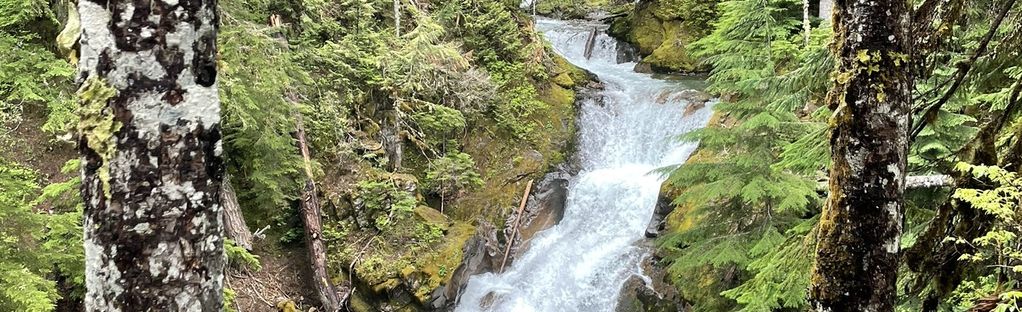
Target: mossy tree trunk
x: 151, y: 155
x: 860, y: 228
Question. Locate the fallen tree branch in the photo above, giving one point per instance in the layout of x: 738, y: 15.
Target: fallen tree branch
x: 913, y: 182
x: 518, y: 220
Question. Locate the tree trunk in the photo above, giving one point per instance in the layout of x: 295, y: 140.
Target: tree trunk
x: 151, y: 155
x: 826, y: 9
x: 807, y: 28
x: 397, y: 18
x: 860, y: 228
x: 328, y: 296
x: 234, y: 222
x: 392, y: 138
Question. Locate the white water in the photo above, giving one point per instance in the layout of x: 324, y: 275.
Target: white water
x: 582, y: 263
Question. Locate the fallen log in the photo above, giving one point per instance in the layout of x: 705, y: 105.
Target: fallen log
x: 591, y: 43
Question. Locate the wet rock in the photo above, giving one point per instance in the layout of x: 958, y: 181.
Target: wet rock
x: 627, y: 53
x: 651, y: 293
x: 481, y: 254
x: 544, y: 209
x: 656, y: 222
x: 643, y: 68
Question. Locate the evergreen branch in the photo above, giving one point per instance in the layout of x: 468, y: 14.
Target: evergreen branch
x: 962, y: 72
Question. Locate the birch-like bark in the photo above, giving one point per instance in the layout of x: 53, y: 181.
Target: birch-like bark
x: 860, y: 228
x: 151, y: 155
x: 826, y: 9
x: 397, y: 17
x: 807, y: 28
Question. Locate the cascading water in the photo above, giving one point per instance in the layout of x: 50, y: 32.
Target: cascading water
x: 582, y: 263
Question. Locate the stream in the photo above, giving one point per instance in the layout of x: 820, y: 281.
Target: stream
x: 582, y: 263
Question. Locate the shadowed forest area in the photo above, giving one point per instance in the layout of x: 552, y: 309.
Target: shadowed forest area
x: 498, y: 155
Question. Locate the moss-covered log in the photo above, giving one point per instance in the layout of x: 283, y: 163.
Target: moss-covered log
x: 151, y: 157
x: 860, y: 229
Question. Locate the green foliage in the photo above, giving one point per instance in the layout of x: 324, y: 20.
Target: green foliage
x: 240, y: 257
x: 779, y: 275
x: 451, y: 174
x: 747, y: 43
x: 23, y: 285
x: 383, y: 202
x: 999, y: 249
x: 256, y: 71
x: 33, y: 246
x: 495, y: 36
x: 32, y: 76
x: 752, y: 176
x: 230, y: 299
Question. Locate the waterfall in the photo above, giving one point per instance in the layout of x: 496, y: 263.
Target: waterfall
x: 582, y: 263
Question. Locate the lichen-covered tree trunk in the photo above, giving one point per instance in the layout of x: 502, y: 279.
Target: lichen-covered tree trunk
x: 151, y: 155
x: 860, y: 228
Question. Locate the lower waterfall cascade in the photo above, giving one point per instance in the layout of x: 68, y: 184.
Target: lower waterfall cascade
x: 625, y: 134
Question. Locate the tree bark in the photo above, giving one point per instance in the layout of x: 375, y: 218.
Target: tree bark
x: 328, y: 296
x: 393, y: 142
x: 826, y: 9
x: 234, y: 221
x: 397, y: 18
x: 151, y: 155
x: 807, y: 28
x: 861, y: 225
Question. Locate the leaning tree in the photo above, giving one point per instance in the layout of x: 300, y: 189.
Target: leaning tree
x: 151, y: 155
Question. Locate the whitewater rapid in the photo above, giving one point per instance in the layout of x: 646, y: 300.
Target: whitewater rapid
x: 582, y: 263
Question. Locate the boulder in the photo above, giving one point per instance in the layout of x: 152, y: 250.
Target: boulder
x: 651, y: 293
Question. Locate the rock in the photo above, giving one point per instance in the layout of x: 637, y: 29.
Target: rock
x: 649, y: 295
x: 661, y: 39
x: 643, y: 68
x: 656, y: 222
x: 564, y: 80
x: 544, y: 209
x: 481, y: 254
x: 627, y: 53
x: 432, y: 216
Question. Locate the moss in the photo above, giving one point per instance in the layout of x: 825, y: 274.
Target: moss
x: 359, y: 304
x: 671, y: 55
x: 431, y: 216
x: 97, y: 124
x: 437, y: 267
x: 661, y: 31
x: 564, y: 80
x: 571, y: 9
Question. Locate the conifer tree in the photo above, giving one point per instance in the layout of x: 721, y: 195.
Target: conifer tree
x: 861, y: 225
x: 151, y: 165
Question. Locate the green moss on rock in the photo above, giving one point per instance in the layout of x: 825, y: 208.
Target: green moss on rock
x: 662, y: 29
